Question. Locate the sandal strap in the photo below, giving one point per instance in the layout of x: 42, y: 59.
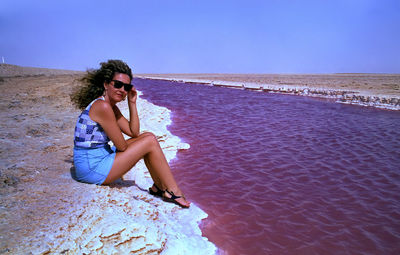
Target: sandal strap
x: 173, y: 196
x: 158, y: 193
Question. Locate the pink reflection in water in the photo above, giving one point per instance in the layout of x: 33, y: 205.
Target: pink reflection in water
x: 284, y: 174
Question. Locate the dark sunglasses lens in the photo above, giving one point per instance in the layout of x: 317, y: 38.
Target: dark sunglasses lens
x: 128, y: 87
x: 118, y: 84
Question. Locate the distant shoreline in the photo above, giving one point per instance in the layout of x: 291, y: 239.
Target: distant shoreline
x: 376, y: 90
x: 10, y: 71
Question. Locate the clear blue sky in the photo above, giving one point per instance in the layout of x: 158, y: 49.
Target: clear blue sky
x: 177, y: 36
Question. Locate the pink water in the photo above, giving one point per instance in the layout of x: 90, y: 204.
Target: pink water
x: 282, y: 174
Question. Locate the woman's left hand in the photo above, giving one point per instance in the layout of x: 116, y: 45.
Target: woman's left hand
x: 132, y: 95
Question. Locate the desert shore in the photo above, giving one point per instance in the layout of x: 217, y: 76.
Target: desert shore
x: 377, y: 90
x: 44, y: 211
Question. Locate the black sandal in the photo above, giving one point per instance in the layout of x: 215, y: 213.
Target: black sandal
x: 158, y: 193
x: 173, y: 199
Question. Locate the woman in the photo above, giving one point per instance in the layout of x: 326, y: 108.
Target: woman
x: 101, y: 121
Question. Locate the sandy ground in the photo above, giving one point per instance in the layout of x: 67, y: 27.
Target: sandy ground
x: 44, y: 211
x: 36, y: 150
x: 387, y: 85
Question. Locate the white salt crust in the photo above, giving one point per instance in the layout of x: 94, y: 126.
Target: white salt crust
x: 125, y: 218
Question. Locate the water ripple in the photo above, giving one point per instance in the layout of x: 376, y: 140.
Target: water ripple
x: 284, y: 174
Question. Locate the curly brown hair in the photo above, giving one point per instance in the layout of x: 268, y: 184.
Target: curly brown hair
x: 92, y: 84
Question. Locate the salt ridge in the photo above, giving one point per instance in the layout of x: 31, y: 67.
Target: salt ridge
x: 123, y: 217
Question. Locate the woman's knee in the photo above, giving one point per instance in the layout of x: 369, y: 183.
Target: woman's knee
x: 148, y: 134
x: 147, y: 138
x: 150, y: 137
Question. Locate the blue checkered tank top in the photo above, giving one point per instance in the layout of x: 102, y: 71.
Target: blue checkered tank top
x: 88, y: 133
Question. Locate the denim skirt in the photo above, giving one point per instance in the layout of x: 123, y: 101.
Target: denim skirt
x: 92, y: 165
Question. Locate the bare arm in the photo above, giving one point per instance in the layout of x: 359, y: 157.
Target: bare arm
x: 131, y: 127
x: 102, y: 113
x: 133, y: 113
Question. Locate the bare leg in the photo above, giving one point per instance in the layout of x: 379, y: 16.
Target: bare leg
x: 146, y: 146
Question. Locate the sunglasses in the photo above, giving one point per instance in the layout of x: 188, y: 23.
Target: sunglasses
x: 119, y: 84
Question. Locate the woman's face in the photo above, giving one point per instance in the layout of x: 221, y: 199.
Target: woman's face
x: 113, y: 93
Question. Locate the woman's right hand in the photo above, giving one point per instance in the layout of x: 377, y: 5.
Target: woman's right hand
x: 132, y: 95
